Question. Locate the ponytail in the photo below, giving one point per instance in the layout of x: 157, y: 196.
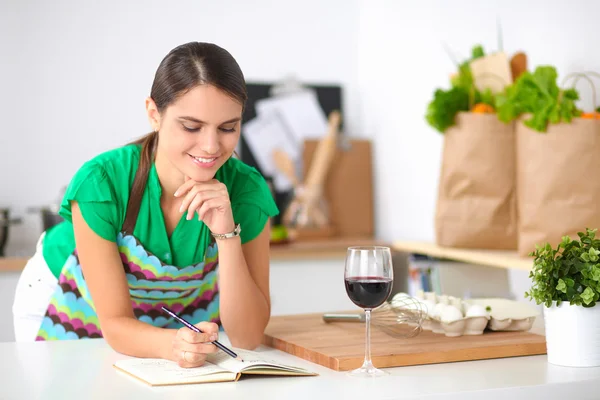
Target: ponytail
x: 148, y: 143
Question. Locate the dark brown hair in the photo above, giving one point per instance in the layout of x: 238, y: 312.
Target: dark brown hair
x: 184, y: 68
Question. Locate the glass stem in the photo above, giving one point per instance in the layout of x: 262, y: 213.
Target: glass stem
x: 368, y: 338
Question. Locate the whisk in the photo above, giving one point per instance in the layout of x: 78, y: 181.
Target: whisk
x: 402, y: 317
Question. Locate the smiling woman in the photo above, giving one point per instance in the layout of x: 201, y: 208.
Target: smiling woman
x: 169, y: 220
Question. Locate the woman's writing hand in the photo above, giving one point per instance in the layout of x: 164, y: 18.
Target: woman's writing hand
x: 211, y: 201
x: 191, y: 348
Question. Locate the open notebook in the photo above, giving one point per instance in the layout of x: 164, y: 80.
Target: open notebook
x: 219, y: 367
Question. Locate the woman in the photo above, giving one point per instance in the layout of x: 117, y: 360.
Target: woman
x: 170, y: 220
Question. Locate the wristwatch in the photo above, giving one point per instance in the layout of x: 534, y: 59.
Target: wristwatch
x: 236, y: 232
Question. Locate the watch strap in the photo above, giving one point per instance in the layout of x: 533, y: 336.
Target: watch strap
x: 232, y: 234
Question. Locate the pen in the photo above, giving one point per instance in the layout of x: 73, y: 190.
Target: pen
x: 192, y: 327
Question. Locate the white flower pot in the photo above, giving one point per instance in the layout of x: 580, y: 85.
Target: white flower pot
x: 573, y: 335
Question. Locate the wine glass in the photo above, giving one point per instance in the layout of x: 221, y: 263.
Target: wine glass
x: 368, y: 276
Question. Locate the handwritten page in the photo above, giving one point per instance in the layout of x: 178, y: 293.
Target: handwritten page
x: 159, y: 371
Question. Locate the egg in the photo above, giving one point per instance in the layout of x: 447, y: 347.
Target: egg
x: 431, y: 296
x: 444, y: 299
x: 450, y: 314
x: 428, y: 307
x: 400, y: 296
x: 437, y: 310
x: 476, y: 310
x: 456, y: 302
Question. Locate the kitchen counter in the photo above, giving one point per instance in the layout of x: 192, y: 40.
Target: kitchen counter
x: 38, y: 370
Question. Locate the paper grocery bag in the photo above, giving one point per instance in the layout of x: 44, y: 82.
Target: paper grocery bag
x: 476, y: 204
x: 557, y: 182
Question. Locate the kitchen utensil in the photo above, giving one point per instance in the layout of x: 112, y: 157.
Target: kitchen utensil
x: 285, y: 164
x: 401, y: 318
x: 48, y: 214
x: 5, y: 222
x: 308, y: 209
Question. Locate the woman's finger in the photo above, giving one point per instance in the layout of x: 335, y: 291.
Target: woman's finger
x: 188, y: 198
x: 200, y: 199
x: 187, y: 185
x: 199, y: 348
x: 193, y: 191
x: 208, y: 327
x: 187, y: 359
x: 189, y: 336
x: 215, y: 203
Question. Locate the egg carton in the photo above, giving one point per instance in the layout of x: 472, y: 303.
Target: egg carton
x: 455, y: 317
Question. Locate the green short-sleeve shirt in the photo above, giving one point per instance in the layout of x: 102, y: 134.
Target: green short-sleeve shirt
x: 102, y: 186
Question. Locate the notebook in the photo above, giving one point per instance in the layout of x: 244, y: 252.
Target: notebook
x: 219, y: 367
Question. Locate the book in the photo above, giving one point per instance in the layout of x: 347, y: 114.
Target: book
x: 219, y: 367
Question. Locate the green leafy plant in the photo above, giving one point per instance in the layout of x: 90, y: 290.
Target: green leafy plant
x: 442, y: 110
x: 569, y: 273
x: 538, y: 93
x: 461, y: 96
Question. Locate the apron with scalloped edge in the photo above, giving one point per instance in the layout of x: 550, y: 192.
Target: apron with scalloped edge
x: 191, y: 291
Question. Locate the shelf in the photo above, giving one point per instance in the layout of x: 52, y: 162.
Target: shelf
x: 319, y: 249
x: 493, y: 258
x: 12, y: 264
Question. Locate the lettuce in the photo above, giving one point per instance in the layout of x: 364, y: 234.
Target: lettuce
x: 538, y: 94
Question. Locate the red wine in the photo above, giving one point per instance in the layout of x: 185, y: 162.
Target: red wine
x: 368, y: 291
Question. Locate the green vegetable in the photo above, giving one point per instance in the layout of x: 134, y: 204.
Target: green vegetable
x: 444, y: 107
x: 442, y: 110
x: 538, y: 94
x: 486, y: 97
x: 477, y: 52
x: 569, y: 273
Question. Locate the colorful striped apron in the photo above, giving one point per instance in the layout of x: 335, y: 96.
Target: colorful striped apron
x: 192, y: 291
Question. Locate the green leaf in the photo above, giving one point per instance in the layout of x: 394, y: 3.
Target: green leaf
x: 595, y: 275
x: 442, y: 110
x: 587, y: 295
x: 562, y: 286
x: 477, y: 52
x: 570, y: 282
x: 593, y: 254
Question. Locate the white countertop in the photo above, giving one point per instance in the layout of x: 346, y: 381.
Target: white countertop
x: 83, y: 369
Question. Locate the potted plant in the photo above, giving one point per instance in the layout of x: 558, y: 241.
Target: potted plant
x: 566, y: 280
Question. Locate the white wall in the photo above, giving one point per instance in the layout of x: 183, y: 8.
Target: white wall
x: 402, y: 60
x: 74, y: 76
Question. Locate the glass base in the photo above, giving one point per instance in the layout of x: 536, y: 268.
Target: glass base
x: 367, y: 371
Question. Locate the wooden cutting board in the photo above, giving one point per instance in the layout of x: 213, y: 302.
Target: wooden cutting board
x: 341, y: 345
x: 350, y: 176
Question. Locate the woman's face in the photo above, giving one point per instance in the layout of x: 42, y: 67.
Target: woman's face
x: 198, y: 132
